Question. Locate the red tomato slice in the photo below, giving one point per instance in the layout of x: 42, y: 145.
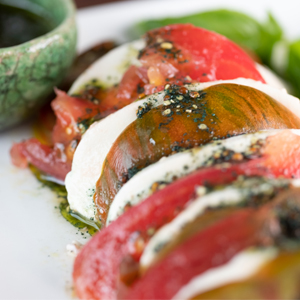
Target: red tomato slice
x: 210, y: 248
x: 220, y: 242
x: 182, y: 50
x: 17, y: 156
x: 97, y: 268
x: 55, y: 159
x: 52, y: 161
x: 73, y: 116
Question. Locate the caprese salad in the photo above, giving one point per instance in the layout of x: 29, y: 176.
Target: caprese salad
x: 185, y: 153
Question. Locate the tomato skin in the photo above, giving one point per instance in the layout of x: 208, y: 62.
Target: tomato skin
x: 97, y: 267
x: 201, y: 54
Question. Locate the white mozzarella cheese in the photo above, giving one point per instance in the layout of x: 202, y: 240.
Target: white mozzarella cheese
x: 96, y: 142
x: 271, y: 78
x: 90, y: 154
x: 110, y: 68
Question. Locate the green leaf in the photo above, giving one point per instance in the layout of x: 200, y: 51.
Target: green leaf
x: 238, y: 27
x: 293, y: 66
x: 271, y: 33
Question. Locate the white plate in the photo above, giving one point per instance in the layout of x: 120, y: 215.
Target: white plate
x: 33, y: 260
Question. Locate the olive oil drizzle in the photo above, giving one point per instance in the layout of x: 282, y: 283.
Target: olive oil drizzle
x: 74, y: 218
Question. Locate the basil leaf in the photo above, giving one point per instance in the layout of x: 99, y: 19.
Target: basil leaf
x: 292, y: 72
x: 238, y: 27
x: 271, y: 33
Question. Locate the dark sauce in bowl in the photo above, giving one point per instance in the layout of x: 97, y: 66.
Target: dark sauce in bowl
x: 19, y: 25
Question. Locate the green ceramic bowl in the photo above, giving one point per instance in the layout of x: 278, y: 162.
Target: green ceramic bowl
x: 29, y: 71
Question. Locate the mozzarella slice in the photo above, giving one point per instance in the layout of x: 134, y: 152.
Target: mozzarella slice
x: 178, y: 165
x: 110, y: 68
x: 98, y: 139
x: 271, y: 78
x: 226, y: 196
x: 251, y: 261
x: 90, y: 154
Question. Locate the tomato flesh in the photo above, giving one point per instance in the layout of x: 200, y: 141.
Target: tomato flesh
x: 47, y: 159
x: 282, y: 153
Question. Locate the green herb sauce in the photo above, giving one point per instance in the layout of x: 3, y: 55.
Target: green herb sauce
x: 60, y: 191
x: 19, y: 25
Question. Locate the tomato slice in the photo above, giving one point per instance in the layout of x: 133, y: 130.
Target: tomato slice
x: 97, y: 268
x: 50, y: 160
x: 70, y: 112
x: 181, y: 50
x: 220, y: 242
x: 209, y: 248
x: 128, y: 87
x: 55, y: 158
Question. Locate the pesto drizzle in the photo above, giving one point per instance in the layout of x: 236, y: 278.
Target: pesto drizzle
x: 64, y: 207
